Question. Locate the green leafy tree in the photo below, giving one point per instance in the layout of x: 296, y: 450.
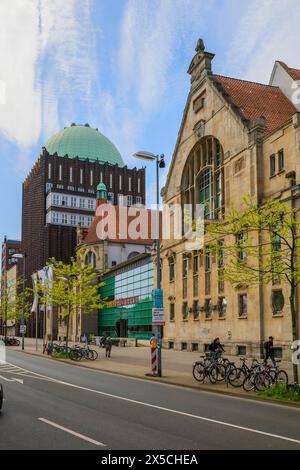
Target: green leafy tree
x: 260, y: 245
x: 74, y: 286
x: 15, y: 301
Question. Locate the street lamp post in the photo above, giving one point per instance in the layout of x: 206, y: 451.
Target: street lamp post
x: 160, y: 163
x: 23, y: 257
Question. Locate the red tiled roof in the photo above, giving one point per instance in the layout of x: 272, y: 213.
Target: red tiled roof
x: 255, y: 100
x: 122, y: 232
x: 294, y: 73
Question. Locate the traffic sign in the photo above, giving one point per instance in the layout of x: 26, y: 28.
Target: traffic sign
x: 23, y: 329
x: 158, y: 317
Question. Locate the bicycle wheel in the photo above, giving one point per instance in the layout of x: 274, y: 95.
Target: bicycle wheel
x: 248, y: 384
x: 236, y: 377
x: 75, y: 355
x: 262, y: 382
x: 212, y: 373
x: 221, y: 372
x: 198, y: 372
x: 92, y: 355
x: 282, y: 377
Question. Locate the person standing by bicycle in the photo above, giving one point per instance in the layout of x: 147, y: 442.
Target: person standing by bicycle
x: 214, y: 348
x: 269, y: 351
x: 108, y: 346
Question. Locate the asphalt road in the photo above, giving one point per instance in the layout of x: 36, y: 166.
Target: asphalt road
x: 51, y: 405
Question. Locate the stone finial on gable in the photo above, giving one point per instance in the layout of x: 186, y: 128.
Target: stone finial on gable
x: 201, y: 63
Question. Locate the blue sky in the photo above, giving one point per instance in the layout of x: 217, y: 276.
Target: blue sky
x: 120, y: 65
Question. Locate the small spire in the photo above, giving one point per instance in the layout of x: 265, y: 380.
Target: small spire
x: 200, y: 47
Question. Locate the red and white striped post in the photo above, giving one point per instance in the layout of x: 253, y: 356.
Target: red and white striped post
x: 154, y: 360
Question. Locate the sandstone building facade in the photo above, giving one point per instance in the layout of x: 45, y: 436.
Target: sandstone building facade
x: 236, y: 138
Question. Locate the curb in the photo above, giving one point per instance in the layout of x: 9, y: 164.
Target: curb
x: 200, y: 388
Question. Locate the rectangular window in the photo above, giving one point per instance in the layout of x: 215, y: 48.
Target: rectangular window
x: 242, y: 350
x: 139, y: 185
x: 208, y: 309
x: 172, y: 312
x: 195, y: 347
x: 49, y: 171
x: 196, y: 264
x: 280, y: 160
x: 208, y: 260
x: 196, y: 310
x: 55, y: 218
x: 81, y: 176
x: 60, y: 172
x: 138, y: 201
x: 91, y: 204
x: 272, y: 165
x: 222, y: 307
x: 55, y: 199
x: 73, y: 201
x: 71, y: 175
x: 185, y: 311
x: 120, y: 182
x: 129, y: 183
x: 111, y: 181
x: 241, y: 244
x: 101, y: 176
x: 129, y: 200
x: 81, y: 220
x: 243, y: 305
x: 185, y: 266
x: 91, y: 178
x: 64, y: 201
x: 73, y: 220
x: 171, y: 269
x: 82, y: 203
x: 64, y: 219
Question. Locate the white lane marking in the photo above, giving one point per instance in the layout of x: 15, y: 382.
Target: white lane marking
x: 181, y: 413
x: 149, y: 405
x: 69, y: 431
x: 12, y: 380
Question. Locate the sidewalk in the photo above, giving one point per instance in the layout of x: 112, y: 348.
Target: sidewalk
x: 135, y: 362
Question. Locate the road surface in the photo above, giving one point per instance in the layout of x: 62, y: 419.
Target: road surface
x: 51, y: 406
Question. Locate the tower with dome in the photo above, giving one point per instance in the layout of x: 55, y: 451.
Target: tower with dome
x: 59, y: 194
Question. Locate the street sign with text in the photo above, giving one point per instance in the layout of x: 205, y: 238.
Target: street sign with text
x: 158, y: 317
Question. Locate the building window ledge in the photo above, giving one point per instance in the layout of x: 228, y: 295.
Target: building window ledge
x: 208, y: 319
x: 243, y: 317
x: 278, y: 315
x: 222, y: 318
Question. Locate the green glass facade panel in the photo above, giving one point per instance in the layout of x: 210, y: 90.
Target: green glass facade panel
x: 130, y: 297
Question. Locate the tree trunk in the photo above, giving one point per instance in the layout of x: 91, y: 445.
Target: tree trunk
x: 68, y: 327
x: 294, y: 329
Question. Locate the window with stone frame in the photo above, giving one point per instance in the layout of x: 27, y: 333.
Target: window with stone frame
x: 208, y: 308
x: 203, y: 178
x: 222, y: 307
x: 281, y: 163
x: 243, y: 305
x: 196, y: 309
x: 172, y: 312
x: 277, y: 302
x: 172, y: 269
x: 185, y: 311
x: 272, y: 165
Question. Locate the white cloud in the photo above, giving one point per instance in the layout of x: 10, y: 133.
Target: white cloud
x: 267, y: 30
x: 152, y: 37
x: 47, y: 61
x: 19, y: 37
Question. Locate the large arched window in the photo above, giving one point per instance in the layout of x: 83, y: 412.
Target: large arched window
x: 203, y: 178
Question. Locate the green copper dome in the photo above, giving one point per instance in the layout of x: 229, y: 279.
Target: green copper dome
x: 86, y: 143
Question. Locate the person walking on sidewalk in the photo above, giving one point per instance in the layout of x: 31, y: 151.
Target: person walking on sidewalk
x: 270, y: 351
x: 108, y: 346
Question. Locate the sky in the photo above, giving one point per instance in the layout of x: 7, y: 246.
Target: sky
x: 121, y: 66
